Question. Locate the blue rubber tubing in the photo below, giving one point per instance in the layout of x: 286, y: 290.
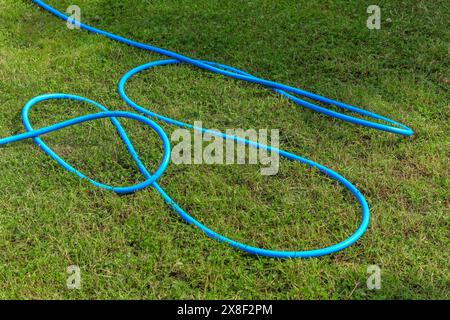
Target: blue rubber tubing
x: 151, y: 178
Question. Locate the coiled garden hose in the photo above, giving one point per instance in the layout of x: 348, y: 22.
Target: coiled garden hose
x: 151, y: 178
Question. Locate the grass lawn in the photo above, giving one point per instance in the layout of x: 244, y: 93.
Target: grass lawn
x: 136, y: 247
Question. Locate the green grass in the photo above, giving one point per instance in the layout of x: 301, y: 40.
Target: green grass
x: 134, y: 246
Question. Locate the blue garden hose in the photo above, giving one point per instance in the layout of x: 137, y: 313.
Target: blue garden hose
x: 150, y: 179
